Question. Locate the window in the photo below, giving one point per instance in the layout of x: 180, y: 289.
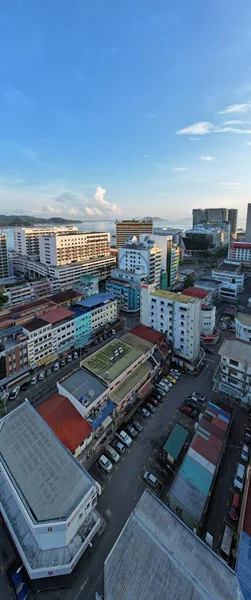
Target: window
x: 233, y: 362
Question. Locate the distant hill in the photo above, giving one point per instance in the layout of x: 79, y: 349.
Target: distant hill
x: 25, y: 221
x: 153, y: 218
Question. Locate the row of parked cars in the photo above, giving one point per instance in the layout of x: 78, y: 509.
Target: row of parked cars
x: 193, y: 405
x: 239, y: 478
x: 130, y: 431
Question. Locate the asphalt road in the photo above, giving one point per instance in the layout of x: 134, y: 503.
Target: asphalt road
x: 122, y: 489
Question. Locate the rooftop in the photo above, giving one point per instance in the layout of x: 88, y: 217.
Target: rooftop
x: 57, y: 315
x: 123, y: 389
x: 176, y: 440
x: 244, y: 318
x: 35, y: 324
x: 196, y: 292
x: 175, y: 297
x: 148, y: 334
x: 212, y: 284
x: 47, y: 478
x: 65, y: 421
x: 67, y: 296
x: 231, y: 267
x: 96, y: 299
x: 236, y: 349
x: 83, y: 386
x: 114, y: 358
x: 156, y: 552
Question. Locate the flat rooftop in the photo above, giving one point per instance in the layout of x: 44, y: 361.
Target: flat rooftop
x: 95, y: 300
x: 57, y: 315
x: 236, y: 349
x: 157, y: 557
x: 67, y: 296
x: 244, y: 318
x: 83, y: 385
x: 48, y: 480
x: 175, y: 297
x: 35, y: 324
x: 196, y: 292
x: 232, y: 268
x: 123, y: 389
x: 109, y: 362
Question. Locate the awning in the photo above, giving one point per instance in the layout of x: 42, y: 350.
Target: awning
x: 145, y: 390
x: 106, y: 422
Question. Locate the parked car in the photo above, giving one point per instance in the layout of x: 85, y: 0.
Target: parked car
x: 100, y: 339
x: 62, y: 363
x: 153, y: 401
x: 158, y: 397
x: 105, y: 336
x: 69, y: 358
x: 235, y: 507
x: 199, y: 397
x: 208, y: 350
x: 143, y: 412
x: 178, y: 373
x: 109, y: 333
x: 95, y: 342
x: 112, y: 454
x: 33, y: 380
x: 192, y: 403
x: 150, y: 407
x: 249, y: 414
x: 161, y: 391
x: 48, y: 372
x: 247, y: 436
x: 130, y: 430
x: 245, y: 453
x: 187, y: 410
x: 41, y: 376
x: 150, y: 479
x: 75, y: 354
x: 14, y: 393
x: 113, y: 332
x: 239, y: 477
x: 124, y: 437
x: 171, y: 379
x: 24, y: 386
x: 118, y: 446
x: 137, y: 425
x: 56, y: 366
x: 105, y: 463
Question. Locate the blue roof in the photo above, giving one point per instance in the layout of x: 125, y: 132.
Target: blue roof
x: 95, y: 300
x: 78, y: 312
x: 96, y: 421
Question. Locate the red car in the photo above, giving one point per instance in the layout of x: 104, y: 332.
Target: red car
x: 187, y: 410
x: 153, y: 401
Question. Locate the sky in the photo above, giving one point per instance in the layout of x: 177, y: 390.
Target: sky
x: 112, y: 109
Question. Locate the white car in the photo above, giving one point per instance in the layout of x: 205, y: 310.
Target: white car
x: 33, y: 380
x: 105, y: 463
x: 124, y: 437
x: 69, y: 358
x: 41, y: 376
x: 75, y: 354
x: 113, y: 332
x: 14, y: 393
x: 56, y: 366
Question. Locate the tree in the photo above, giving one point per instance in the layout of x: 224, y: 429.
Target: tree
x: 3, y: 300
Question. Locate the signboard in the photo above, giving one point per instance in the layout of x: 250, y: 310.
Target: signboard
x: 47, y: 359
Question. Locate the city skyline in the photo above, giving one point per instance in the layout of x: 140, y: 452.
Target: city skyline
x: 98, y: 123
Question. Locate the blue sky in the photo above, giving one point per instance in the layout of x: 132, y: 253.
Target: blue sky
x: 115, y: 109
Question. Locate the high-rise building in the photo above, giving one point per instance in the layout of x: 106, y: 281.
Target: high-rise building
x: 67, y: 248
x: 217, y: 216
x: 232, y: 219
x: 173, y: 259
x: 4, y: 267
x: 26, y: 239
x: 144, y: 255
x: 248, y: 224
x: 198, y: 216
x: 176, y: 315
x: 134, y: 227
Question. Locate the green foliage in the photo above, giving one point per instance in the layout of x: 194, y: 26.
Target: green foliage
x: 26, y: 221
x: 3, y: 300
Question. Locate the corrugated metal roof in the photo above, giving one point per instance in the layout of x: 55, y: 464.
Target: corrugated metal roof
x: 59, y: 314
x: 148, y: 334
x: 207, y: 427
x: 96, y: 299
x: 176, y: 441
x: 197, y: 292
x: 156, y: 557
x: 66, y: 422
x: 209, y: 449
x: 196, y: 474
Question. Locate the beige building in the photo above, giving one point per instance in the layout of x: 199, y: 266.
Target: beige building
x: 26, y: 239
x: 64, y: 249
x: 126, y: 229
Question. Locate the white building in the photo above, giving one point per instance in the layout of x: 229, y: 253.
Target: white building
x: 49, y: 334
x: 145, y: 255
x: 164, y: 242
x: 177, y: 315
x: 103, y: 309
x: 207, y: 319
x: 47, y: 499
x: 4, y: 267
x: 240, y: 251
x: 65, y: 275
x: 234, y: 373
x: 29, y: 291
x: 64, y: 249
x: 26, y: 239
x: 243, y: 327
x: 229, y: 272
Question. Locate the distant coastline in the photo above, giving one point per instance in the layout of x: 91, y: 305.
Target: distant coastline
x: 26, y: 221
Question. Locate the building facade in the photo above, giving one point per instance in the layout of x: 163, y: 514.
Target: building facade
x: 216, y: 215
x: 63, y: 249
x: 87, y: 285
x: 234, y: 372
x: 205, y: 238
x: 176, y: 315
x: 125, y: 286
x: 229, y: 272
x: 4, y: 267
x: 126, y: 229
x: 248, y: 224
x: 26, y: 239
x: 13, y: 352
x: 173, y: 261
x: 144, y: 255
x: 240, y: 251
x: 243, y: 327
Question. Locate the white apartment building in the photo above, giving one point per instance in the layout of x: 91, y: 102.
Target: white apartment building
x: 243, y: 327
x: 4, y: 267
x: 240, y: 251
x: 26, y: 239
x: 48, y: 335
x: 145, y: 255
x: 176, y: 315
x: 164, y: 242
x: 207, y: 319
x: 47, y: 499
x: 64, y: 249
x: 234, y: 373
x: 65, y: 275
x: 229, y: 272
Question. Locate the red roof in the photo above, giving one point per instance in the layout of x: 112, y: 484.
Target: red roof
x: 67, y: 424
x: 59, y: 314
x: 196, y: 293
x: 148, y: 334
x: 209, y: 449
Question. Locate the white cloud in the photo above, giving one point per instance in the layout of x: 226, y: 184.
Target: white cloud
x: 229, y: 183
x: 179, y: 169
x: 99, y: 196
x: 17, y: 98
x: 195, y: 139
x: 205, y: 127
x: 236, y: 108
x: 237, y: 122
x: 51, y: 209
x: 207, y: 158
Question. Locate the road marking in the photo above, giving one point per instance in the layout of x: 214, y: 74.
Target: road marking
x: 115, y: 467
x: 150, y: 458
x: 219, y: 538
x: 154, y: 450
x: 227, y: 503
x: 149, y: 488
